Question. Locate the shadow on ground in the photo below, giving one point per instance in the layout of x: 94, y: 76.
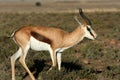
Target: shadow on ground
x: 70, y: 66
x: 36, y: 68
x: 40, y: 64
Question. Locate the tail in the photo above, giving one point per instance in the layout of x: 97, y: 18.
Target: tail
x: 12, y: 35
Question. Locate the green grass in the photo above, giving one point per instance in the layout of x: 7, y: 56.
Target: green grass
x: 103, y: 54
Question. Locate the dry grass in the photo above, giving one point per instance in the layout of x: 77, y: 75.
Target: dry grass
x: 59, y: 6
x: 89, y: 60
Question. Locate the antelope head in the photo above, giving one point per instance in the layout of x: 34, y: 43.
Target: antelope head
x: 86, y: 26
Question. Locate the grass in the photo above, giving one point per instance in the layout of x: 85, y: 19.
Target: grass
x: 89, y: 60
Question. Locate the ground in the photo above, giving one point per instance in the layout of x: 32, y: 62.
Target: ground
x: 88, y: 60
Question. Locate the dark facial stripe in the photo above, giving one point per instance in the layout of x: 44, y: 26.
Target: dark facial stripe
x: 41, y: 37
x: 90, y: 31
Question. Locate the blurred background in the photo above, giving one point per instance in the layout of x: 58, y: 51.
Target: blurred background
x: 59, y: 5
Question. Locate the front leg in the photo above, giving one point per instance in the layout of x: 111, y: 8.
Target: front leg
x: 53, y: 57
x: 59, y: 60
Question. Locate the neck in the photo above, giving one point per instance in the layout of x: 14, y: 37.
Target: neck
x: 74, y: 37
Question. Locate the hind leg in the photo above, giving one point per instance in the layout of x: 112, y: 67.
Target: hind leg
x: 13, y: 59
x: 22, y: 60
x: 53, y: 58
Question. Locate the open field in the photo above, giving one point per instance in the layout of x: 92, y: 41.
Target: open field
x: 61, y: 6
x: 89, y: 60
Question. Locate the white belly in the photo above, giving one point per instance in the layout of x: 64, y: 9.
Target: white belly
x: 38, y: 45
x: 42, y: 46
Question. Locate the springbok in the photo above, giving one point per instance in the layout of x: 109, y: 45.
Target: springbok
x: 54, y: 40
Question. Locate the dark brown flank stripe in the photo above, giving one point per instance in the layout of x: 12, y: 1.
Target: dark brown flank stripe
x: 41, y: 37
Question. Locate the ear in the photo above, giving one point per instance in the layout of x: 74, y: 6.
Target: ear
x: 75, y: 17
x: 86, y: 20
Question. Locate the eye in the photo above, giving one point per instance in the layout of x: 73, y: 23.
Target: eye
x: 88, y: 29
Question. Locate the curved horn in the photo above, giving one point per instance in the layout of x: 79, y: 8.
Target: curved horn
x: 75, y: 17
x: 84, y: 17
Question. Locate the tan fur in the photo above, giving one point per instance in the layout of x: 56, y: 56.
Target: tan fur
x: 55, y: 41
x: 59, y: 38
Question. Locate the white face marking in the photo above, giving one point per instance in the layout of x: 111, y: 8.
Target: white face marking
x: 88, y: 33
x: 38, y: 45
